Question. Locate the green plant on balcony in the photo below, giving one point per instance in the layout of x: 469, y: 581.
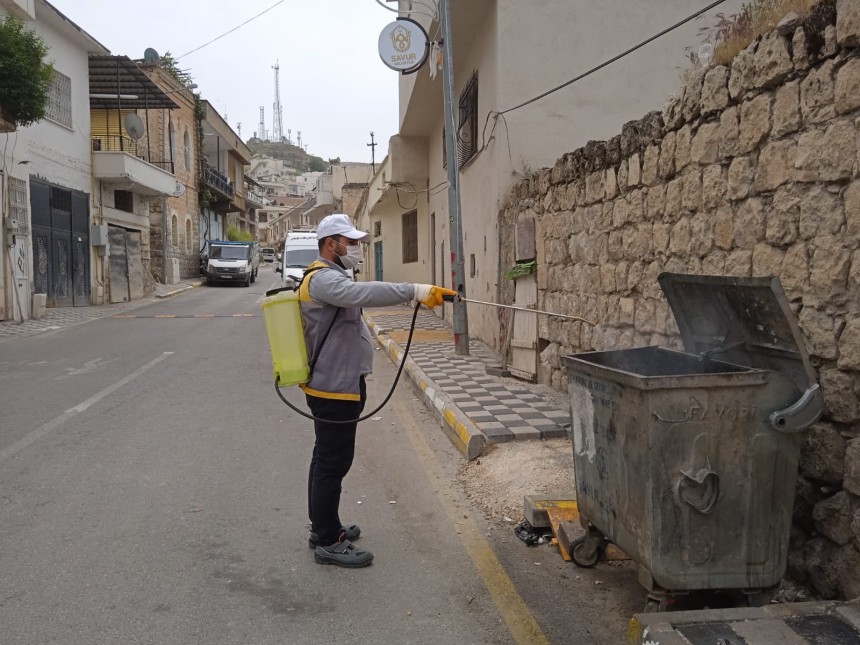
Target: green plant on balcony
x: 25, y: 76
x: 236, y: 235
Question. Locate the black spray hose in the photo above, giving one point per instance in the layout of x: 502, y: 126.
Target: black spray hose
x: 381, y: 405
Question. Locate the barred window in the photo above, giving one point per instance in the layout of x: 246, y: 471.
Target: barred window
x: 377, y: 229
x: 18, y: 199
x: 467, y: 132
x: 410, y: 237
x: 59, y: 107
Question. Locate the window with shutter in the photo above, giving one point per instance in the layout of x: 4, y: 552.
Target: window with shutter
x: 467, y: 131
x: 410, y: 236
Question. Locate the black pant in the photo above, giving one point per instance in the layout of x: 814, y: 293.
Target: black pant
x: 332, y: 457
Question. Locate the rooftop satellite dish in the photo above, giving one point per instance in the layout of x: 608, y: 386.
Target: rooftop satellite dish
x: 134, y: 126
x: 151, y: 56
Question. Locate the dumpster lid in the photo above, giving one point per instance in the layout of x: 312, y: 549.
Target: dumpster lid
x: 746, y: 321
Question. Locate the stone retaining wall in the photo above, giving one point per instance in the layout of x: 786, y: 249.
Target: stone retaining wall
x: 751, y: 169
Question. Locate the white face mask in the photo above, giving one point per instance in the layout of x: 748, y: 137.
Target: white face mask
x: 353, y: 256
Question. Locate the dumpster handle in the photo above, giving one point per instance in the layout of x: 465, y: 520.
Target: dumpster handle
x: 659, y: 418
x: 801, y: 414
x: 701, y: 490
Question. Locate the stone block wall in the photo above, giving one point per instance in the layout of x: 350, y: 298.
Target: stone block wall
x: 752, y: 169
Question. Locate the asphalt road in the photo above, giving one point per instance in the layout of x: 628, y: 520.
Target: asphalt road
x: 153, y: 490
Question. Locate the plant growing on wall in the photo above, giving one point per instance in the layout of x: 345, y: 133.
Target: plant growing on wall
x: 732, y: 33
x: 25, y: 76
x: 168, y: 64
x: 204, y: 196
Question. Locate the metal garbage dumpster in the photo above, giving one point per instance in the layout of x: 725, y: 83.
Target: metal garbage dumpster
x: 687, y: 461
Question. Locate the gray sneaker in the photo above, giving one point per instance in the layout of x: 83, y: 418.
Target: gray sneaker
x: 343, y: 554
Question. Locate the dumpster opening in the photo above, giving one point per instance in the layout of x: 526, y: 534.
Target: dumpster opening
x: 659, y: 361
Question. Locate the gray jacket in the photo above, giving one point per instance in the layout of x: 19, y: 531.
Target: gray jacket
x: 329, y: 299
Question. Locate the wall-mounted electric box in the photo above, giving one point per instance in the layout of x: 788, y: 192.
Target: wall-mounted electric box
x: 99, y: 235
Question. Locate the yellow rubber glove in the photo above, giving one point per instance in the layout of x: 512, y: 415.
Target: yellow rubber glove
x: 430, y: 295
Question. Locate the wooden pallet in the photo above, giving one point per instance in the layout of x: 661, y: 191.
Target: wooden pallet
x: 566, y: 528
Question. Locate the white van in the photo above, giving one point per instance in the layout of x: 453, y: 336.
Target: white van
x: 228, y: 261
x: 300, y: 249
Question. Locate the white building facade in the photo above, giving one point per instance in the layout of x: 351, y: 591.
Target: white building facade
x: 47, y: 172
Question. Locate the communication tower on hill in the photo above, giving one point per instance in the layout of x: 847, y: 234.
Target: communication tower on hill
x: 277, y: 119
x: 262, y: 128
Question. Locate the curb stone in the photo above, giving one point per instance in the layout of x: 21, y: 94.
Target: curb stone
x: 179, y: 290
x: 462, y: 432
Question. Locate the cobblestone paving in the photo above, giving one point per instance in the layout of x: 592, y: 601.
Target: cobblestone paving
x: 502, y: 409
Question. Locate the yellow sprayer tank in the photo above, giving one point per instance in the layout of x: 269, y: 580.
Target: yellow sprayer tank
x: 282, y: 314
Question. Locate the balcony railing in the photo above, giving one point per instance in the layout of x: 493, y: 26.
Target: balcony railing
x: 255, y: 197
x: 116, y: 143
x: 218, y: 181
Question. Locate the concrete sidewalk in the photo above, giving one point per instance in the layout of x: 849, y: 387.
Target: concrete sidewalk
x: 472, y: 406
x: 62, y: 317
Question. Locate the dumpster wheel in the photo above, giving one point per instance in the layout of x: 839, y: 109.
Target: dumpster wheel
x: 587, y: 551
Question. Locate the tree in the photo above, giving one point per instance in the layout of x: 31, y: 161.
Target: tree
x: 317, y: 165
x: 25, y: 77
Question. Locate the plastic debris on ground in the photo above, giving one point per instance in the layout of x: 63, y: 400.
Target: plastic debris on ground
x: 530, y: 535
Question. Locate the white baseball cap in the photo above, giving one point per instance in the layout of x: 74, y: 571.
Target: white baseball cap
x: 339, y: 224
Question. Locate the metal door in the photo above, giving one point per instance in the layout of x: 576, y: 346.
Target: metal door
x: 118, y: 265
x: 61, y: 248
x: 40, y: 214
x: 135, y: 265
x: 524, y: 341
x: 377, y: 260
x: 60, y: 244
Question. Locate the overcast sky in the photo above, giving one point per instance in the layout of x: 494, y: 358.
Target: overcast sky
x: 334, y: 88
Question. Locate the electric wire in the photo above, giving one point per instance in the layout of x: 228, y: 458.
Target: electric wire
x: 390, y: 392
x: 494, y: 114
x: 231, y: 31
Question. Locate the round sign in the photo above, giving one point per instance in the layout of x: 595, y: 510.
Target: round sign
x: 404, y: 45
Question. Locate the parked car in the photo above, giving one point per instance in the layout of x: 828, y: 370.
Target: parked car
x: 232, y: 262
x: 268, y: 255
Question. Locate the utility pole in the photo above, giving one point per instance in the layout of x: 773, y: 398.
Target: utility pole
x: 458, y: 267
x: 372, y: 145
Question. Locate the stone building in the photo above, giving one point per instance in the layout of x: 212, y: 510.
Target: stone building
x: 174, y: 221
x: 752, y: 170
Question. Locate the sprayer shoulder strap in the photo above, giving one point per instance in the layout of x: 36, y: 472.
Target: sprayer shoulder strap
x: 331, y: 324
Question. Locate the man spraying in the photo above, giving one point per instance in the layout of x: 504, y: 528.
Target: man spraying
x: 340, y: 355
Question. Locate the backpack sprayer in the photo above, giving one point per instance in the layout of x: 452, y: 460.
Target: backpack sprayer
x: 283, y: 317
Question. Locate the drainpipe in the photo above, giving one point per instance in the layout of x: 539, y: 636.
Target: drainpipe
x: 164, y: 239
